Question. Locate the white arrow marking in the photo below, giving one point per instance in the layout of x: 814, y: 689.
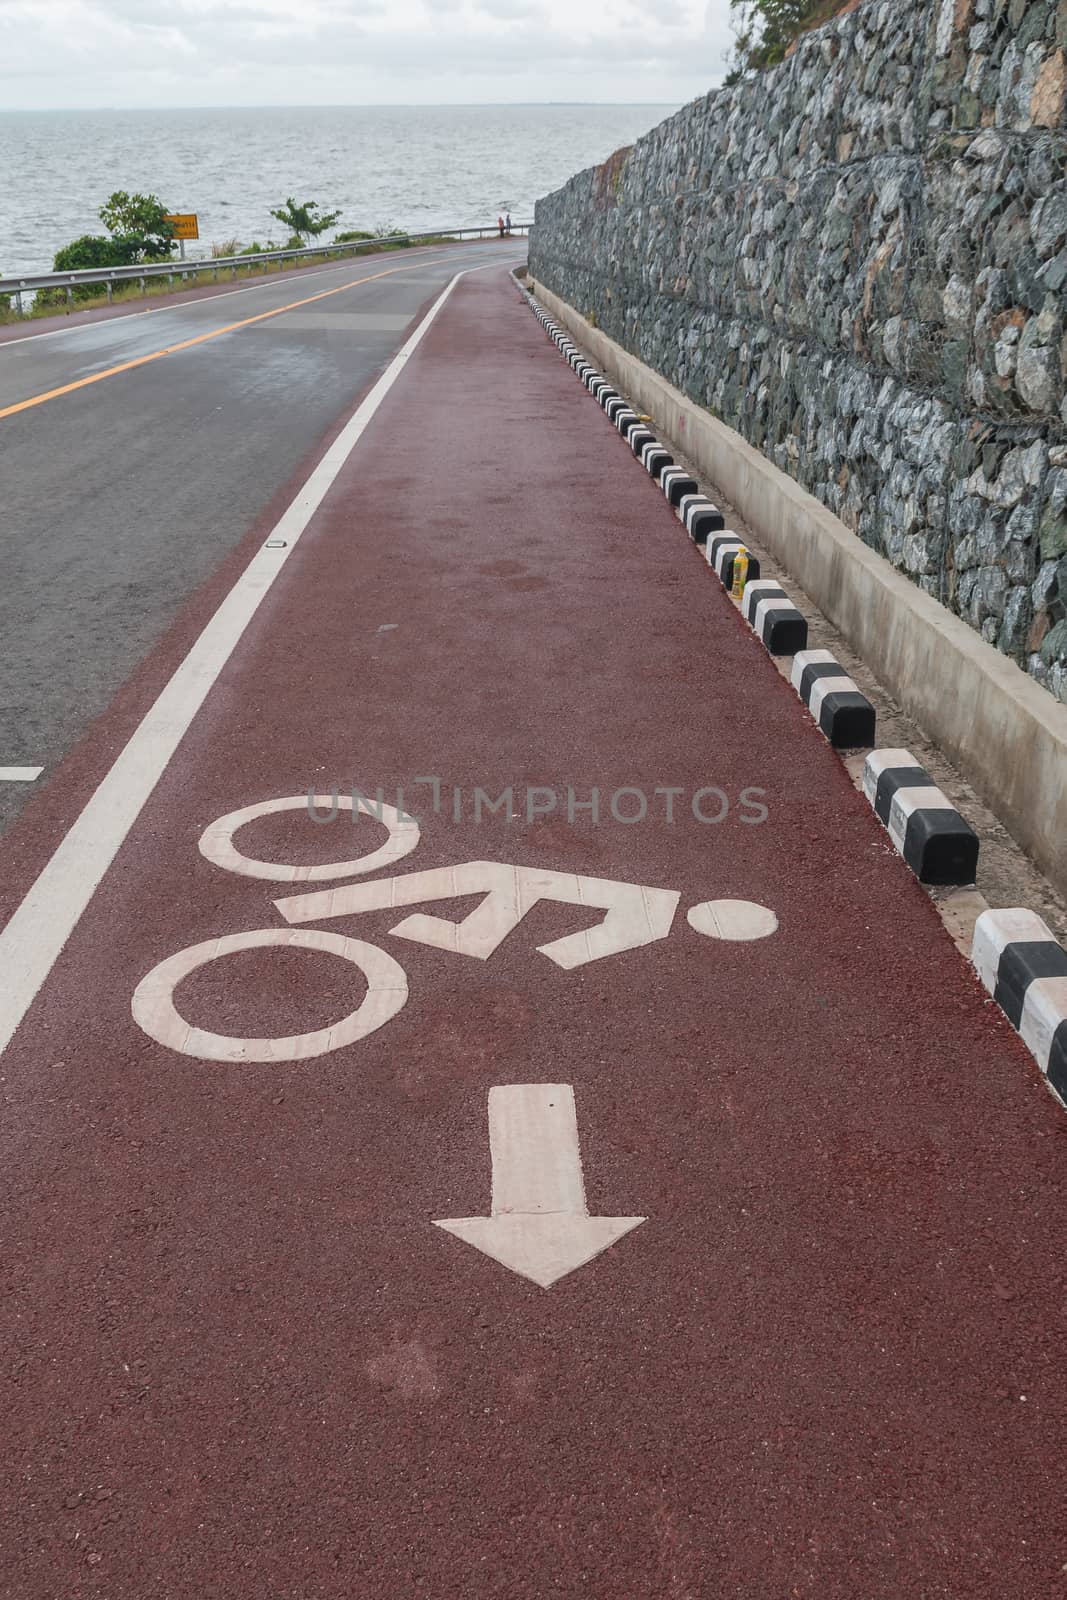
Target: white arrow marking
x: 540, y: 1225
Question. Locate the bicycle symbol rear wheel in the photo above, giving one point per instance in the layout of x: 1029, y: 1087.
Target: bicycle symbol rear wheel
x: 155, y: 1012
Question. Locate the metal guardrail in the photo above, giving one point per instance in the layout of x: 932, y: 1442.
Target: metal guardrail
x: 140, y: 272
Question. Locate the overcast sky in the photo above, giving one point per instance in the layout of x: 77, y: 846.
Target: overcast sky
x: 87, y: 53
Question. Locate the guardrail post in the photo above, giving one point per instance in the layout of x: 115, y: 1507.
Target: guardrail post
x: 70, y: 295
x: 144, y: 285
x: 18, y: 302
x: 110, y: 292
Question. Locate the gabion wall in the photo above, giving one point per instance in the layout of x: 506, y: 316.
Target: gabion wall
x: 859, y: 261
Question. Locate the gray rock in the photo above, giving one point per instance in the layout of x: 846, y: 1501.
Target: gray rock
x: 990, y: 594
x: 1037, y: 370
x: 1016, y: 624
x: 1054, y: 645
x: 1045, y: 584
x: 1048, y: 224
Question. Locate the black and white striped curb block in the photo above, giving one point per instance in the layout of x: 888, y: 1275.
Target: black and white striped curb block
x: 700, y: 517
x: 654, y: 458
x: 775, y: 619
x: 843, y: 713
x: 720, y: 550
x: 925, y: 826
x: 1025, y: 971
x: 676, y: 484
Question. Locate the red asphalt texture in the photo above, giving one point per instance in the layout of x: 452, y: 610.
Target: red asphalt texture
x: 240, y: 1361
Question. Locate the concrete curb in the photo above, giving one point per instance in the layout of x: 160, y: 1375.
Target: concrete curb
x: 1025, y: 971
x: 700, y: 517
x: 676, y: 484
x: 1005, y: 733
x: 719, y: 552
x: 935, y: 841
x: 774, y: 618
x: 840, y: 709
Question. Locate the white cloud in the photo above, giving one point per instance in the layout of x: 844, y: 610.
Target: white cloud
x: 82, y: 53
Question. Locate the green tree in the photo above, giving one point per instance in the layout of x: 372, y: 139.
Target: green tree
x: 137, y: 223
x: 307, y: 220
x: 765, y: 29
x: 138, y: 232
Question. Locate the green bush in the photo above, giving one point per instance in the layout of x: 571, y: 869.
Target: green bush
x: 390, y: 238
x: 91, y: 250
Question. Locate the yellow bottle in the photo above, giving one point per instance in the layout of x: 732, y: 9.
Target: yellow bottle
x: 740, y: 573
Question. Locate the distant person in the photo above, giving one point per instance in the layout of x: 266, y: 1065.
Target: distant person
x: 507, y: 222
x: 500, y: 225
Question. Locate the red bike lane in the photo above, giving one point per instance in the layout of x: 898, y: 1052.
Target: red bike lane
x: 240, y: 1357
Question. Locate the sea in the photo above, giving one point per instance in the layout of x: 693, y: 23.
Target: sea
x: 407, y: 167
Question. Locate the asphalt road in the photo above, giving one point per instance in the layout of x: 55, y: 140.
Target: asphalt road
x: 823, y: 1359
x: 120, y: 498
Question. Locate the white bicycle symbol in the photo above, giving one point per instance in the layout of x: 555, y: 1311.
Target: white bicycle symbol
x: 635, y: 915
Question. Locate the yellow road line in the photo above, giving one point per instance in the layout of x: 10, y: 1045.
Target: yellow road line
x: 187, y: 344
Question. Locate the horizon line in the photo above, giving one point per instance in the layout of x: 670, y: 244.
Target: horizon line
x: 342, y: 105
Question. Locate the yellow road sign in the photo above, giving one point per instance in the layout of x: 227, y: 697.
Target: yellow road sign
x: 184, y: 225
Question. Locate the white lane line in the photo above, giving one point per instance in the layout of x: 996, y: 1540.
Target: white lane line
x: 267, y: 282
x: 43, y: 922
x: 20, y: 774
